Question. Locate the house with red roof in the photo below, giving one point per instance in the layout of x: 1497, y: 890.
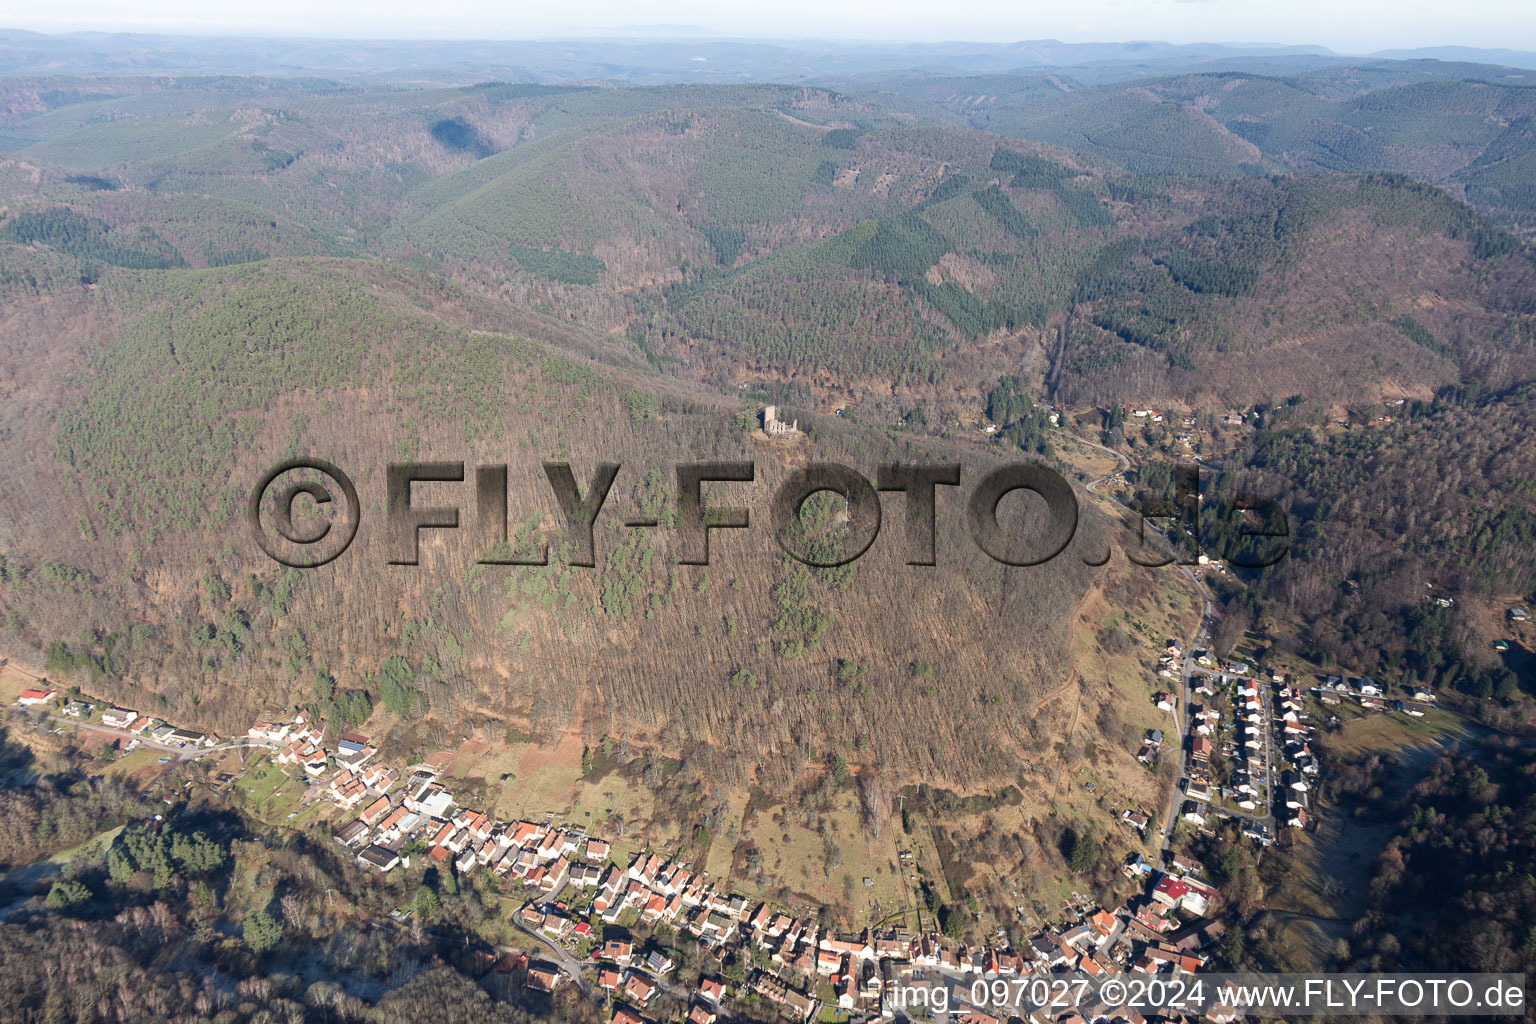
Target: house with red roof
x: 1170, y: 891
x: 543, y: 977
x: 639, y: 988
x: 376, y: 810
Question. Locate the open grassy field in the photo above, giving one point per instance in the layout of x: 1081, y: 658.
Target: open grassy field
x: 1147, y: 607
x: 1324, y: 891
x: 522, y: 780
x: 268, y: 791
x: 1394, y: 731
x: 14, y: 679
x: 722, y: 852
x: 795, y: 857
x: 1089, y: 463
x: 139, y: 765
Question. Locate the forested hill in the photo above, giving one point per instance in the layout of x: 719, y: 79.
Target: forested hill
x: 1437, y: 501
x: 1314, y: 276
x: 174, y: 389
x: 1464, y: 127
x: 830, y: 248
x: 203, y: 275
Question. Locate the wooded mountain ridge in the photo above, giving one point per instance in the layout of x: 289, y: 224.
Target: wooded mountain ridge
x: 203, y: 275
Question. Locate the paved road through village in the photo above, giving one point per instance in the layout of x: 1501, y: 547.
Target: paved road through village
x: 1190, y: 669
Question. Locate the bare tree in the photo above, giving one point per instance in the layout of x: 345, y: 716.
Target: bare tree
x: 875, y: 801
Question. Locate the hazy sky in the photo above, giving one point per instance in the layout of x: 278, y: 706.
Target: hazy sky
x: 1346, y: 25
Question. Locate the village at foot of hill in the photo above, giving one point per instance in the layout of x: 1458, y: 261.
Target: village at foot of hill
x: 609, y: 925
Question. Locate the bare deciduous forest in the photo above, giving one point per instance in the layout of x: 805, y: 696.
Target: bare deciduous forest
x: 1321, y: 283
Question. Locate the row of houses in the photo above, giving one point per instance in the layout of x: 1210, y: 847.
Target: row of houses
x: 1248, y: 782
x: 865, y: 971
x: 860, y: 969
x: 393, y: 813
x: 421, y: 810
x: 1301, y: 767
x: 1162, y: 932
x: 300, y: 729
x: 350, y: 787
x: 122, y: 719
x: 298, y: 743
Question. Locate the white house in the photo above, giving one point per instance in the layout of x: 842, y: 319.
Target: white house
x: 118, y: 718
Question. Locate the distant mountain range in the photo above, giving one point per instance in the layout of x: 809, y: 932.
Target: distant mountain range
x: 1509, y: 58
x: 641, y: 56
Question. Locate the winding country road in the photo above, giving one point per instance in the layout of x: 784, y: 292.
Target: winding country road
x: 1123, y: 462
x: 182, y: 753
x: 1189, y: 669
x: 569, y: 964
x: 575, y: 968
